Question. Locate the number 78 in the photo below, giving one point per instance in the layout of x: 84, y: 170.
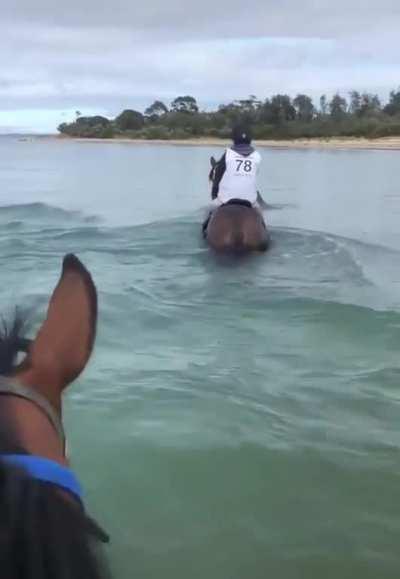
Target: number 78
x: 247, y: 165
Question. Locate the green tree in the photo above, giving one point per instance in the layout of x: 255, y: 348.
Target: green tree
x: 249, y: 105
x: 370, y: 105
x: 185, y: 104
x: 63, y: 128
x: 244, y: 111
x: 129, y: 120
x: 364, y: 105
x: 355, y: 102
x: 94, y: 121
x: 323, y: 105
x: 231, y: 111
x: 89, y: 127
x: 393, y: 107
x: 156, y: 110
x: 278, y: 110
x: 338, y: 108
x: 305, y: 109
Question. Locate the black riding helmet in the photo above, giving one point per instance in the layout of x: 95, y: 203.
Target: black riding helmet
x: 241, y: 135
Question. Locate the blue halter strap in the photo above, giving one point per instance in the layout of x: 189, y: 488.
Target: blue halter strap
x: 43, y: 469
x: 47, y: 471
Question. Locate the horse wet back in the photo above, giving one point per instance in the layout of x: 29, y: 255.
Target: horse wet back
x: 237, y: 229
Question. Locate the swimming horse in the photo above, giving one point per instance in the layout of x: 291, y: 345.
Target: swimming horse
x: 236, y: 226
x: 45, y: 531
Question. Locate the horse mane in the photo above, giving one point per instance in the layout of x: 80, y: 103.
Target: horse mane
x: 42, y: 534
x: 12, y: 341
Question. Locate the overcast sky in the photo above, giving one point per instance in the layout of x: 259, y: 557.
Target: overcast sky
x: 97, y: 56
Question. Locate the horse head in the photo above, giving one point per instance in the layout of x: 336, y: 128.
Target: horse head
x: 44, y: 524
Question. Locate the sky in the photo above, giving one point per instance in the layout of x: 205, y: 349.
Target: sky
x: 100, y: 57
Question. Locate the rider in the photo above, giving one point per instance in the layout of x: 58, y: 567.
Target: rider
x: 235, y: 173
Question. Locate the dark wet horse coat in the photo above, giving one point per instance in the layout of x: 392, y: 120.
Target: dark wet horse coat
x: 236, y: 227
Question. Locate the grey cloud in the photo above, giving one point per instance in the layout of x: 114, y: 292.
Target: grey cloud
x: 108, y: 56
x: 205, y: 19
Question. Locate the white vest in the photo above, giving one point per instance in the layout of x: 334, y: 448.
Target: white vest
x: 239, y: 179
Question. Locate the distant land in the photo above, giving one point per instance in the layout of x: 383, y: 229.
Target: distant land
x: 279, y: 118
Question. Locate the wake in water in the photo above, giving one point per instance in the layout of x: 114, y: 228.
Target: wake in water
x: 300, y: 263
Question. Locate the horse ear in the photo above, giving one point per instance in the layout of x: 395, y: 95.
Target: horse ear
x: 65, y: 341
x: 213, y: 162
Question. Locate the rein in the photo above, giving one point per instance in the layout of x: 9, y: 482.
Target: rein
x: 12, y: 388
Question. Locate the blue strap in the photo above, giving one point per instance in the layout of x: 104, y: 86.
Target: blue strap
x: 46, y: 470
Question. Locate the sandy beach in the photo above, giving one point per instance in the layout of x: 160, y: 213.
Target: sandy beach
x: 387, y: 143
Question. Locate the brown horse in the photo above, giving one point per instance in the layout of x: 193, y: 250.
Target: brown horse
x: 45, y: 531
x: 236, y: 227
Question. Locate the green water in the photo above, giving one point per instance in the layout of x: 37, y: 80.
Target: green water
x: 237, y: 420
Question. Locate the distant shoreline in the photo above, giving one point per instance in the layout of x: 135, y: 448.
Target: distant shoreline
x: 384, y: 143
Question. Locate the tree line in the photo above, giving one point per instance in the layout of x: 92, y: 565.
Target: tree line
x: 278, y: 117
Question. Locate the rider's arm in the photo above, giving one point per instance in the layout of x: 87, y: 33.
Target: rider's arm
x: 219, y: 173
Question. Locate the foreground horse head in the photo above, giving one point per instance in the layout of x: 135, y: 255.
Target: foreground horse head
x: 45, y: 532
x: 236, y: 228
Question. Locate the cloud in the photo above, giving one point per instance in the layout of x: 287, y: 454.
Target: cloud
x: 306, y: 18
x: 108, y: 56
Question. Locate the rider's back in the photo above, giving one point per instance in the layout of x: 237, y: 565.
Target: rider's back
x: 239, y: 180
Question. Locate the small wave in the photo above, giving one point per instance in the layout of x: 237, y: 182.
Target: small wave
x: 30, y: 208
x: 330, y: 237
x: 323, y: 310
x: 37, y: 211
x: 280, y: 206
